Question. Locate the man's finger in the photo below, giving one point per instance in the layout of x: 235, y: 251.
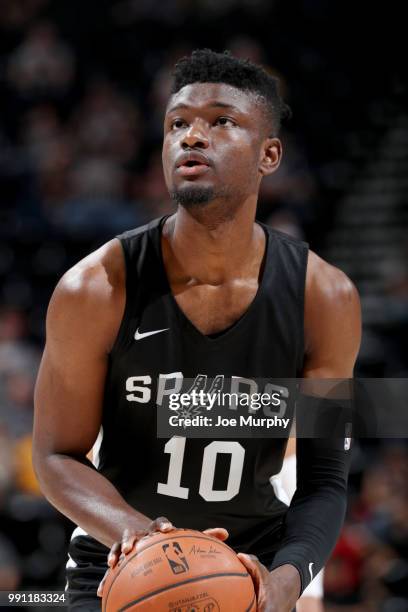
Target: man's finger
x: 113, y: 556
x: 102, y: 584
x: 217, y: 532
x: 129, y: 543
x: 251, y: 564
x: 161, y: 524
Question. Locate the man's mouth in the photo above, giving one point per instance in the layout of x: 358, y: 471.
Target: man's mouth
x: 193, y: 162
x: 192, y: 167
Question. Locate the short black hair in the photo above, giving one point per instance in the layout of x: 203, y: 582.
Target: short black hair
x: 207, y: 66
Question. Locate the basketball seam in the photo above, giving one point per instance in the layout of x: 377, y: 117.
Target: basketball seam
x: 152, y: 544
x: 174, y: 586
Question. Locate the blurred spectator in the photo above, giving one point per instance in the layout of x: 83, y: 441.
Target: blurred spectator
x: 42, y: 63
x: 25, y: 478
x: 16, y: 352
x: 107, y: 124
x: 343, y: 574
x: 17, y: 405
x: 17, y: 13
x: 49, y: 150
x: 368, y: 568
x: 97, y: 202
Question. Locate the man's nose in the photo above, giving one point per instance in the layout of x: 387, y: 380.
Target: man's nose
x: 195, y: 137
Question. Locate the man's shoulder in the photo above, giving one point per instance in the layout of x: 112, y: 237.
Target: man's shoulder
x: 92, y: 294
x: 88, y: 302
x: 326, y: 282
x: 332, y: 321
x: 98, y: 274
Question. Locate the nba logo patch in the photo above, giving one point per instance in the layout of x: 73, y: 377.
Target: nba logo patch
x: 347, y: 444
x: 175, y: 557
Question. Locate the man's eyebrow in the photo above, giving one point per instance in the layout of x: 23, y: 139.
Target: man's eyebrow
x: 215, y: 104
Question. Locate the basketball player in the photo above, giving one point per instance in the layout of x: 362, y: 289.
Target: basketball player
x: 205, y: 291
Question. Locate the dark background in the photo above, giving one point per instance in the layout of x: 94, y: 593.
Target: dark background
x: 82, y: 91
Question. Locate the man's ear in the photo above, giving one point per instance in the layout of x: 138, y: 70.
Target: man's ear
x: 271, y: 155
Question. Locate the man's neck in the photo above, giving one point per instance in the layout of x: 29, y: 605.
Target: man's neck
x: 200, y: 245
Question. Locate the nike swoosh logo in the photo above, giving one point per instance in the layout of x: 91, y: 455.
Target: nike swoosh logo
x: 311, y: 570
x: 140, y: 336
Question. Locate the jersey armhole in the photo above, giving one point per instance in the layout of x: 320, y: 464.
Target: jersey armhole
x: 300, y: 357
x: 118, y: 343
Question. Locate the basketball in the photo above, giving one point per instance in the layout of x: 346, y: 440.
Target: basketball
x: 180, y: 571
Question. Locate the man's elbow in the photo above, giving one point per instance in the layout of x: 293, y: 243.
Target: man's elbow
x: 42, y: 465
x: 48, y: 468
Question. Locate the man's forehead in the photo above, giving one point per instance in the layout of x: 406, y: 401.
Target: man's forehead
x: 204, y: 95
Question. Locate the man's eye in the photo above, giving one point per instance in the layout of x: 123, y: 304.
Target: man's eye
x: 225, y: 121
x: 177, y: 123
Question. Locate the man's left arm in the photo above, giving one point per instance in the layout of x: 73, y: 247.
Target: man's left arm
x: 316, y: 514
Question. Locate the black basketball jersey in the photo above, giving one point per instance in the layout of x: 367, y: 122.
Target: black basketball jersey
x: 199, y: 483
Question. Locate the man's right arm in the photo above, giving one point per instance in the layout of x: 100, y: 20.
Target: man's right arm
x: 83, y: 319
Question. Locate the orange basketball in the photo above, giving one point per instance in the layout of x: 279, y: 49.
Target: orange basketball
x: 180, y: 571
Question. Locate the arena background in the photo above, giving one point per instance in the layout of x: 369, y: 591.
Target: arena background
x: 83, y: 86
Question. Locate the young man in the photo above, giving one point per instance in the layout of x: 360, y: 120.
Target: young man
x: 205, y: 291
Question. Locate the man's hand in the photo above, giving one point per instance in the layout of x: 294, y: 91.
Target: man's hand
x: 276, y: 591
x: 130, y: 539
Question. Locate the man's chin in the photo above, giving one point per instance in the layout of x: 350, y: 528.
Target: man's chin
x: 192, y: 195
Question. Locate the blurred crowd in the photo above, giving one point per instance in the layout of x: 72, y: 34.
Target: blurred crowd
x: 83, y: 88
x: 82, y: 156
x: 32, y: 535
x: 368, y: 570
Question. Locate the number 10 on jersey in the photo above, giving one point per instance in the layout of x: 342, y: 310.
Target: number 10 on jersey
x: 175, y: 447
